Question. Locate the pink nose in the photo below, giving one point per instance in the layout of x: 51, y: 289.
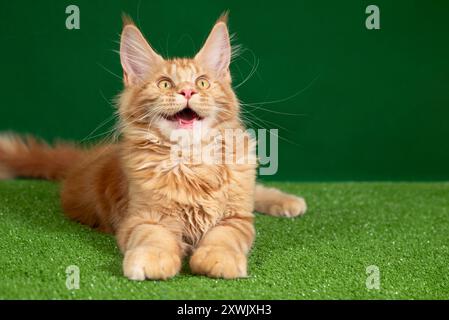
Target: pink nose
x: 187, y: 93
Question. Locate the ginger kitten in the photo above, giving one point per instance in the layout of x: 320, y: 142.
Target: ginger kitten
x: 162, y: 210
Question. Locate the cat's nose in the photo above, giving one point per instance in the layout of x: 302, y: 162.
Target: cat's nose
x: 187, y: 93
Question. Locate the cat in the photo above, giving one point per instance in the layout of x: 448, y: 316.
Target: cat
x: 159, y: 210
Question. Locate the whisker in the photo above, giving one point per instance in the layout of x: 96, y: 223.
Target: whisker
x: 287, y: 98
x: 274, y: 112
x: 252, y: 72
x: 104, y: 122
x: 109, y: 71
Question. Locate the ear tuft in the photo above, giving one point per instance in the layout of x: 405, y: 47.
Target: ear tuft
x: 127, y: 20
x: 224, y: 17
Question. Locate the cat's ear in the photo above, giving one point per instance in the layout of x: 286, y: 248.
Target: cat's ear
x: 136, y: 55
x: 216, y: 52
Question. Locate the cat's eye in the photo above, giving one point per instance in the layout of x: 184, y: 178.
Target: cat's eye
x: 202, y: 83
x: 165, y: 84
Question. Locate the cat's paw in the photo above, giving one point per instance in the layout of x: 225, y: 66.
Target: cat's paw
x: 287, y: 206
x: 218, y: 262
x: 150, y: 263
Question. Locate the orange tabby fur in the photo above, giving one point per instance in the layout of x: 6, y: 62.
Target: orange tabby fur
x: 160, y: 211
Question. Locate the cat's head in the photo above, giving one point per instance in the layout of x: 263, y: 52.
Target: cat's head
x: 162, y: 95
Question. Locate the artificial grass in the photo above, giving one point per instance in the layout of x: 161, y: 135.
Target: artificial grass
x: 402, y: 228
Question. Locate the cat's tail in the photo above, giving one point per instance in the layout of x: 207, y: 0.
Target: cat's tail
x: 29, y: 157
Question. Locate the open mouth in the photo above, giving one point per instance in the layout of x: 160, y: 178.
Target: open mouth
x: 185, y: 118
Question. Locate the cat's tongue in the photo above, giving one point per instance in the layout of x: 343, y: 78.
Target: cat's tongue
x: 186, y: 124
x: 186, y: 118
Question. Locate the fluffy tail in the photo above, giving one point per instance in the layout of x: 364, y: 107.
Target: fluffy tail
x: 32, y: 158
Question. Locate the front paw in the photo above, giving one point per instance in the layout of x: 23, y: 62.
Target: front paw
x: 218, y: 262
x: 288, y: 206
x: 150, y: 263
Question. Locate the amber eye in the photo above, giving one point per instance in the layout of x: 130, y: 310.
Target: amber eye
x: 202, y: 83
x: 165, y: 84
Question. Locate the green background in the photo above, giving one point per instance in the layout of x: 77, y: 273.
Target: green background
x: 369, y: 104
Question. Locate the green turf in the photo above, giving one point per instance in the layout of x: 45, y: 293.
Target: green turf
x: 402, y: 228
